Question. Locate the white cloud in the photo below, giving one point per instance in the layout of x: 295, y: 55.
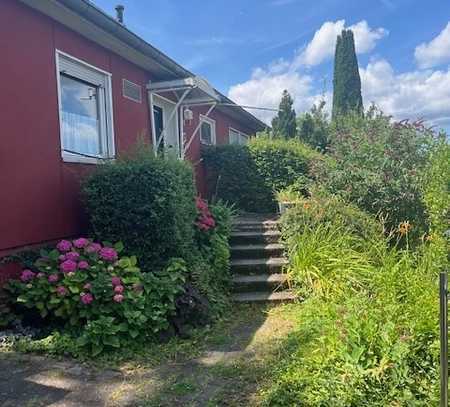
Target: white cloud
x: 415, y: 94
x: 409, y: 95
x: 435, y: 52
x: 323, y: 44
x: 265, y: 87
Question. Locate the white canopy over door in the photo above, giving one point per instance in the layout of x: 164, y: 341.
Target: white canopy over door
x: 188, y: 92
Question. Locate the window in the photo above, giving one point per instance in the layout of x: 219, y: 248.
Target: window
x: 236, y: 137
x: 85, y: 111
x: 207, y: 130
x: 131, y: 91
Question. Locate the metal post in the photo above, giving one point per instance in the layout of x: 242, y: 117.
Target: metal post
x: 443, y: 296
x: 186, y: 148
x: 152, y: 122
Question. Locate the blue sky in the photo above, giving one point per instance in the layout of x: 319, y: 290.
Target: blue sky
x: 253, y: 49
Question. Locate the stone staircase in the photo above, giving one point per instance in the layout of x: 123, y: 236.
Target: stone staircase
x: 257, y: 260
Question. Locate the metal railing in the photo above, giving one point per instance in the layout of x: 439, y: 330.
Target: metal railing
x: 443, y: 323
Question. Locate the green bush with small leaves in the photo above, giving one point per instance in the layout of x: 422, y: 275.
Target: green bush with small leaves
x: 249, y: 176
x: 147, y: 203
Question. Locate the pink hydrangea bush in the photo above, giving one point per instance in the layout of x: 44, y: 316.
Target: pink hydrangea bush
x: 81, y: 282
x: 69, y: 278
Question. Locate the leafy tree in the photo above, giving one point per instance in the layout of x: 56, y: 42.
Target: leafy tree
x: 284, y: 124
x: 346, y: 81
x: 313, y: 127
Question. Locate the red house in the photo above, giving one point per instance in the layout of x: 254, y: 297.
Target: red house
x: 78, y: 87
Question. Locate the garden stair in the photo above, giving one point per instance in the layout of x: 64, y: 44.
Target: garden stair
x: 257, y: 260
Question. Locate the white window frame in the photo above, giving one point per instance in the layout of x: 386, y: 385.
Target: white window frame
x: 240, y: 133
x: 212, y: 123
x: 79, y: 69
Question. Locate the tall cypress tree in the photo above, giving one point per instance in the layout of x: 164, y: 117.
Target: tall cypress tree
x: 346, y: 81
x: 284, y: 124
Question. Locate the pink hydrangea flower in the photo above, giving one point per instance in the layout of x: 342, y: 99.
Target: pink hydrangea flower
x: 118, y: 298
x: 116, y: 281
x: 86, y: 298
x: 64, y: 246
x: 83, y: 265
x: 108, y: 254
x: 93, y: 248
x: 62, y: 257
x: 87, y: 286
x: 62, y: 291
x: 53, y: 278
x: 40, y: 275
x: 81, y: 242
x: 118, y: 289
x: 27, y: 275
x: 74, y: 256
x: 68, y: 266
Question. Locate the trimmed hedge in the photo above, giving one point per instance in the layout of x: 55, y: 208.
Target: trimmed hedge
x: 233, y: 177
x: 145, y: 202
x: 248, y: 176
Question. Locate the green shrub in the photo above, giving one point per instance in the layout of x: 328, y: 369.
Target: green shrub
x: 233, y: 177
x: 145, y: 202
x: 248, y: 176
x: 437, y: 202
x: 379, y: 167
x: 211, y: 272
x: 313, y: 127
x: 88, y: 290
x: 367, y: 333
x: 282, y: 163
x: 323, y: 209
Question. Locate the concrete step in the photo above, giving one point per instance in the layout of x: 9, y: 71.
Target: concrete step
x: 252, y: 225
x: 257, y: 266
x: 254, y: 237
x: 258, y: 296
x: 259, y: 282
x: 256, y: 250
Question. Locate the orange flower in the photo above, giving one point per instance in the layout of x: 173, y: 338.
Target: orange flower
x: 404, y: 228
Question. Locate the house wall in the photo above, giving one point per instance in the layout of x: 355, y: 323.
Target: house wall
x: 39, y: 194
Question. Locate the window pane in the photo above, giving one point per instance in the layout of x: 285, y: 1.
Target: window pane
x: 206, y: 133
x: 234, y: 137
x: 80, y: 116
x: 242, y: 139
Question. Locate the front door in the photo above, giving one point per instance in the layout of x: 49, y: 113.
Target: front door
x: 167, y: 121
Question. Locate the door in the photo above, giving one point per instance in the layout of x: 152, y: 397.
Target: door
x: 166, y: 119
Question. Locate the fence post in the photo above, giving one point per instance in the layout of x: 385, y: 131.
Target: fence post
x: 443, y: 296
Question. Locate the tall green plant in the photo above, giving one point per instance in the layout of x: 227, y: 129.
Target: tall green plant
x: 284, y: 124
x: 346, y: 81
x: 313, y: 127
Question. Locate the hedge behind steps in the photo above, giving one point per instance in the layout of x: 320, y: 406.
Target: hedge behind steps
x: 249, y: 175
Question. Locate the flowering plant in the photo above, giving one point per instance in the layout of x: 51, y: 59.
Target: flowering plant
x: 205, y: 220
x: 81, y: 281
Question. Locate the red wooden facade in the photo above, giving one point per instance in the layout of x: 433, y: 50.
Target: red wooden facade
x: 39, y: 199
